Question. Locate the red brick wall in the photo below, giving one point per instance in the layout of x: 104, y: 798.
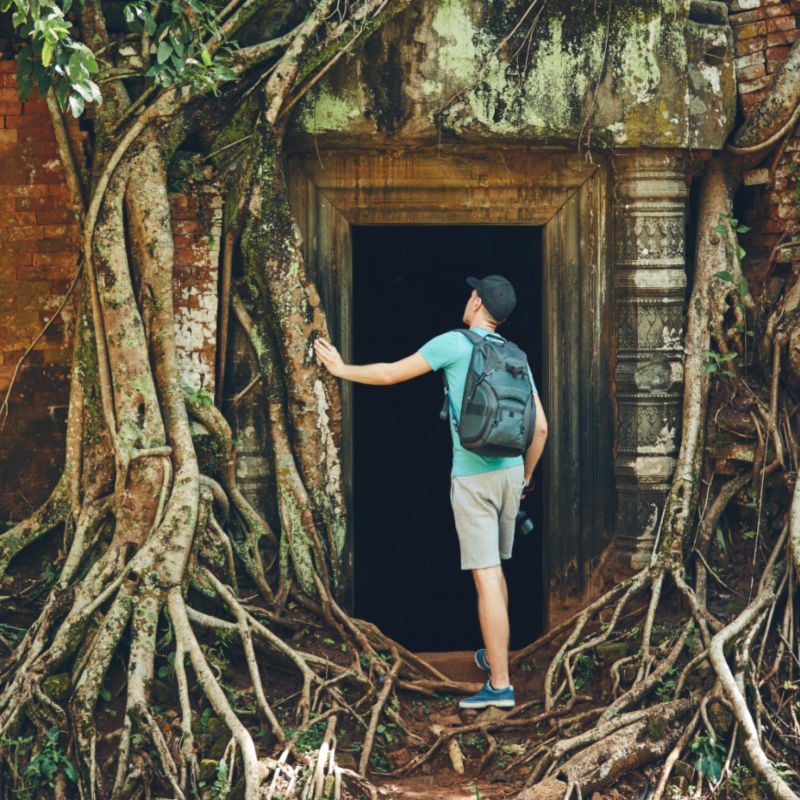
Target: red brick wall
x: 39, y: 245
x: 764, y: 32
x: 38, y: 260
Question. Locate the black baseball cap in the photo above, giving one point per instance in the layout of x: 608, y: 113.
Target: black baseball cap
x: 497, y: 294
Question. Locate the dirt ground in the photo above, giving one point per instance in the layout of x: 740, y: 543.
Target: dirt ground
x: 487, y: 775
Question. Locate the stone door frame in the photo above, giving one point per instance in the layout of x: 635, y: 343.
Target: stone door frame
x: 612, y: 305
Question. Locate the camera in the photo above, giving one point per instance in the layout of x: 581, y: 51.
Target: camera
x: 524, y: 522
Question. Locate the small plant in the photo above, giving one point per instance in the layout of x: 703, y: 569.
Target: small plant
x: 710, y: 757
x: 167, y: 670
x: 17, y: 746
x: 666, y: 685
x: 49, y: 571
x: 379, y: 761
x: 222, y: 783
x: 385, y: 732
x: 311, y: 738
x: 729, y: 223
x: 584, y: 670
x: 691, y: 632
x: 475, y: 741
x: 718, y: 363
x: 735, y: 779
x: 784, y: 770
x: 49, y: 760
x: 198, y: 396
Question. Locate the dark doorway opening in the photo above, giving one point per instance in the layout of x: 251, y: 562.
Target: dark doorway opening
x: 408, y: 286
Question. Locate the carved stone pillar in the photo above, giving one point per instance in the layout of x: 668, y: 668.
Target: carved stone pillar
x: 650, y: 288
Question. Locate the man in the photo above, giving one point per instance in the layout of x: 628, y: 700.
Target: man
x: 485, y: 491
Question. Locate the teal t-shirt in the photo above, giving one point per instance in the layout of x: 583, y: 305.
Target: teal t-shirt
x: 452, y: 352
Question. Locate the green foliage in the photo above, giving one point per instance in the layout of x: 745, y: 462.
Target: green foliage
x: 46, y: 764
x: 51, y: 57
x: 311, y: 738
x: 584, y: 670
x: 12, y: 634
x: 715, y: 362
x: 383, y: 730
x: 666, y: 685
x: 166, y: 671
x: 729, y: 224
x: 17, y: 747
x: 198, y: 396
x: 710, y: 757
x: 690, y: 635
x: 178, y: 31
x: 222, y: 783
x: 718, y: 363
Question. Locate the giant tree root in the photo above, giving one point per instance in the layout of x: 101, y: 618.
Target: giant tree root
x: 632, y: 746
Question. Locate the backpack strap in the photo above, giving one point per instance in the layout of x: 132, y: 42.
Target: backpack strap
x: 475, y: 338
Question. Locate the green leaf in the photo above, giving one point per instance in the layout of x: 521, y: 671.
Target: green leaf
x: 205, y: 57
x: 720, y: 229
x: 62, y: 89
x: 24, y: 88
x: 70, y: 771
x: 743, y: 229
x: 724, y: 275
x: 48, y: 48
x: 86, y: 90
x: 87, y: 59
x: 76, y: 105
x: 226, y: 74
x: 164, y: 51
x: 710, y: 767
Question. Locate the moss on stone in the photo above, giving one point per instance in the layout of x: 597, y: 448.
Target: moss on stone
x: 329, y: 112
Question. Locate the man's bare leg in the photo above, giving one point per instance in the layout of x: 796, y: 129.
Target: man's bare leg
x: 490, y: 583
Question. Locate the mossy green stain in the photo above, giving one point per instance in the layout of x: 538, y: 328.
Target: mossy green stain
x: 463, y: 46
x: 570, y: 59
x: 329, y: 112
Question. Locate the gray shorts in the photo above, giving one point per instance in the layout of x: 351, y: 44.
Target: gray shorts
x: 485, y: 509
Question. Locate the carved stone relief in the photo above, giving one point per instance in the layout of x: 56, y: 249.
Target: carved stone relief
x: 650, y: 286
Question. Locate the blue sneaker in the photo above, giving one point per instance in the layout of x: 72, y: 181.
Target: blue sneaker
x: 489, y: 696
x: 480, y: 660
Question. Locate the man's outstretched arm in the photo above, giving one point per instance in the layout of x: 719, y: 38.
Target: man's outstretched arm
x: 377, y: 374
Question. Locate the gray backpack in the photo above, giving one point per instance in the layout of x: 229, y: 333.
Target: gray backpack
x: 497, y: 410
